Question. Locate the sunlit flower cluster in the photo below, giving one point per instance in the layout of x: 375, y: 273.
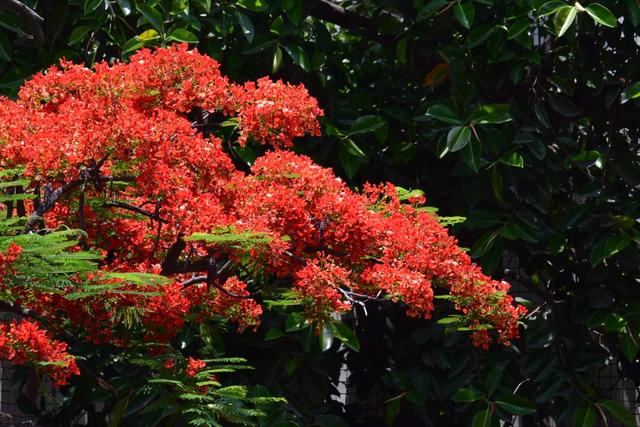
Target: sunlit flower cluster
x: 128, y: 136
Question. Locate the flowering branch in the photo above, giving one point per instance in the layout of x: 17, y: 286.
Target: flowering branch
x: 52, y: 196
x: 116, y: 204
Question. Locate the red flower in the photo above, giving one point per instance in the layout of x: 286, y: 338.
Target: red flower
x: 300, y: 226
x: 194, y: 366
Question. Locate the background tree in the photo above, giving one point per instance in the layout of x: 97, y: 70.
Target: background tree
x: 517, y: 115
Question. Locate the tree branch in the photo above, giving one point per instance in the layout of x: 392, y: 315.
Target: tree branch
x: 34, y: 20
x: 10, y: 307
x: 136, y: 209
x: 51, y: 197
x: 327, y: 10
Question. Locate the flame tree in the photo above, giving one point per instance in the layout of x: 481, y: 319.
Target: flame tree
x: 126, y: 219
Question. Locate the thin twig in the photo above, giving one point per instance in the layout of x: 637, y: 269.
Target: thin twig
x: 133, y: 208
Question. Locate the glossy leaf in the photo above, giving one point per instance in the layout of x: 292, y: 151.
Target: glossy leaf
x: 608, y: 247
x: 491, y: 114
x: 484, y: 418
x: 584, y: 416
x: 601, y: 15
x: 563, y: 19
x: 467, y: 395
x: 182, y: 35
x: 246, y: 25
x: 619, y: 412
x: 444, y: 114
x: 515, y: 404
x: 366, y: 124
x: 152, y: 16
x: 299, y: 56
x: 458, y: 137
x: 465, y: 13
x: 91, y: 5
x: 346, y: 335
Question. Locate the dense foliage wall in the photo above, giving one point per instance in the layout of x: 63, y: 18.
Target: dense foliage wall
x: 517, y: 115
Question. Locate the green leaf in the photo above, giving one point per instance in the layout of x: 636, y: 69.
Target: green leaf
x: 480, y: 218
x: 366, y: 124
x: 274, y: 334
x: 513, y: 159
x: 483, y: 244
x: 458, y: 137
x: 277, y: 60
x: 633, y: 9
x: 132, y: 44
x: 346, y: 335
x: 607, y: 248
x: 515, y: 404
x: 125, y: 7
x: 152, y: 16
x: 353, y: 148
x: 564, y: 18
x: 619, y: 412
x: 628, y: 344
x: 326, y: 337
x: 484, y: 418
x: 296, y: 12
x: 391, y: 411
x: 444, y: 114
x: 584, y: 159
x: 295, y: 322
x: 78, y: 34
x: 148, y: 35
x: 430, y: 9
x: 491, y: 114
x: 299, y: 56
x: 259, y: 48
x: 542, y: 115
x: 228, y: 236
x: 632, y: 92
x: 471, y: 154
x: 467, y: 395
x: 584, y: 416
x: 91, y: 5
x: 550, y: 8
x: 254, y: 5
x: 564, y: 106
x: 497, y: 184
x: 494, y: 377
x: 465, y: 13
x: 6, y: 50
x: 117, y: 414
x: 479, y: 35
x: 350, y: 163
x: 601, y: 15
x: 246, y: 25
x: 182, y: 35
x: 519, y: 27
x: 451, y: 320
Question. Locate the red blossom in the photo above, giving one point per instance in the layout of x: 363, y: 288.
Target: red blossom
x: 194, y: 366
x: 24, y: 343
x: 323, y: 240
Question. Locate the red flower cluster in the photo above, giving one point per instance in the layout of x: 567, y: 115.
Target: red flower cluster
x: 123, y: 136
x: 7, y: 259
x: 275, y: 113
x: 194, y: 366
x: 24, y: 343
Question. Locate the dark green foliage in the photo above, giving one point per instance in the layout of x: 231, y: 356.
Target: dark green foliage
x: 521, y: 116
